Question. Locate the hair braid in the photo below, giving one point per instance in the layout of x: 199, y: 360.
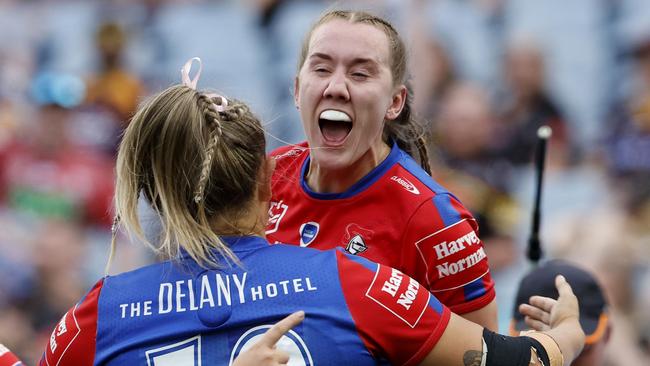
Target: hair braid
x: 207, y: 105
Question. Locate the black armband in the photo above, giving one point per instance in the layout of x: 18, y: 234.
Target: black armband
x: 512, y: 351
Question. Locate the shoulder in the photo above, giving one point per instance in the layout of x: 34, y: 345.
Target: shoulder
x: 288, y: 160
x: 397, y: 317
x: 73, y: 340
x: 411, y: 169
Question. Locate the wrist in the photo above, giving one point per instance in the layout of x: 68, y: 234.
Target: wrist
x: 555, y: 354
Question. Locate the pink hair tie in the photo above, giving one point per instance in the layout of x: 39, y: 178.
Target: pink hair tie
x: 185, y: 73
x: 224, y: 102
x: 192, y: 82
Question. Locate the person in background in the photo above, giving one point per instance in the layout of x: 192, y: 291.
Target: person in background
x: 527, y: 105
x: 594, y: 317
x: 113, y: 86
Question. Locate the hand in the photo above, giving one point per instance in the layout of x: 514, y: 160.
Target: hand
x: 558, y: 319
x: 544, y: 313
x: 264, y: 352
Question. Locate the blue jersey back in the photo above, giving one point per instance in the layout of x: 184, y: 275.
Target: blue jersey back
x: 180, y: 312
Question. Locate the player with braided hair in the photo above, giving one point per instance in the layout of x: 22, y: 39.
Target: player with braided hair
x: 199, y: 160
x: 355, y: 183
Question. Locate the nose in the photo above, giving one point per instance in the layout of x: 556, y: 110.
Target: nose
x: 337, y: 87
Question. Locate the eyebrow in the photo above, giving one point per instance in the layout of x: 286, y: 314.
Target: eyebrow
x: 355, y: 61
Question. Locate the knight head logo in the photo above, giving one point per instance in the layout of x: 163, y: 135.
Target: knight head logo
x: 308, y: 232
x: 355, y: 238
x: 356, y: 245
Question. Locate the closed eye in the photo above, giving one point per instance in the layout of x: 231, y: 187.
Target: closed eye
x: 360, y: 75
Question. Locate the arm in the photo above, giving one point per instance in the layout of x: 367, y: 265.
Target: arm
x: 72, y: 341
x: 461, y: 342
x: 397, y: 318
x: 443, y: 251
x: 485, y: 316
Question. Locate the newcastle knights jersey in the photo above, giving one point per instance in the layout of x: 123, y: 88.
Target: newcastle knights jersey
x: 396, y: 215
x: 177, y: 313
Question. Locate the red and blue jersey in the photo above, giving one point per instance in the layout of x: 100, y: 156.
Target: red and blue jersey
x: 7, y: 358
x: 178, y: 313
x: 396, y: 215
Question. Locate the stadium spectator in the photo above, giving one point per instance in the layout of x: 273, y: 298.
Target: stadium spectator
x: 594, y: 315
x: 526, y: 105
x: 113, y: 86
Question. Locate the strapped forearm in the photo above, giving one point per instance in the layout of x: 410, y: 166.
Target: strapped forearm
x: 534, y: 349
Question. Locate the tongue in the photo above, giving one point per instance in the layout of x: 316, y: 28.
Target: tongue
x: 335, y: 131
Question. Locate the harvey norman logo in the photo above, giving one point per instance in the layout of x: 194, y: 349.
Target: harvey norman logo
x: 399, y: 294
x: 406, y: 184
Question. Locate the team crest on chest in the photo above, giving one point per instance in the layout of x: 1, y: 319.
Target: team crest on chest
x: 356, y: 245
x: 355, y: 238
x: 308, y: 232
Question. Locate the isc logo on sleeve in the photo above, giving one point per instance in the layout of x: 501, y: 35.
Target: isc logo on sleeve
x: 399, y: 294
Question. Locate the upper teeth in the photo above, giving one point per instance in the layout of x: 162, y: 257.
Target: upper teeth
x: 333, y: 115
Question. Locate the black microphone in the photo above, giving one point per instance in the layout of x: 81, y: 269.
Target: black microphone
x: 534, y: 248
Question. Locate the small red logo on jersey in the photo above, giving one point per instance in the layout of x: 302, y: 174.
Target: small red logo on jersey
x: 62, y: 337
x: 399, y: 294
x: 406, y: 184
x: 276, y: 213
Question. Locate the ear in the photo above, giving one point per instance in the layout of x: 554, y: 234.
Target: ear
x: 264, y: 186
x: 608, y: 332
x: 397, y: 103
x: 296, y: 88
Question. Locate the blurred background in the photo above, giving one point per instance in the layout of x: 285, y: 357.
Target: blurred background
x: 486, y: 74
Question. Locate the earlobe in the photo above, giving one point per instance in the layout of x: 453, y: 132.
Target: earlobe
x: 296, y: 85
x: 399, y: 99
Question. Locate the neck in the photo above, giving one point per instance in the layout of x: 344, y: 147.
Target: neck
x: 323, y: 180
x: 246, y: 223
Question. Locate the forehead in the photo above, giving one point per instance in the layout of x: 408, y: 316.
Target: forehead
x: 343, y: 39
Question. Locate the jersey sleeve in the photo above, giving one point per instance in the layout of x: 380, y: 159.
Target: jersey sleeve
x: 396, y: 317
x: 7, y: 358
x: 443, y: 251
x: 73, y: 340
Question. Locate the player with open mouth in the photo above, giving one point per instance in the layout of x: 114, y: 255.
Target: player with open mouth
x: 355, y: 183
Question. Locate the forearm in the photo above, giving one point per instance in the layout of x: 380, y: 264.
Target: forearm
x: 486, y: 316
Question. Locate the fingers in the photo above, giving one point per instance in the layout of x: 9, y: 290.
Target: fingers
x: 544, y: 303
x: 566, y: 293
x: 535, y: 313
x: 563, y: 287
x: 536, y: 324
x: 273, y: 335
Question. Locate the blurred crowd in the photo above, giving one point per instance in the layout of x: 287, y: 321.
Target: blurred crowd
x: 486, y: 74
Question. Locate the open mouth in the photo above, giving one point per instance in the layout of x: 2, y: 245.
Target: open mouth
x: 335, y: 126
